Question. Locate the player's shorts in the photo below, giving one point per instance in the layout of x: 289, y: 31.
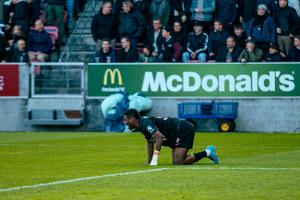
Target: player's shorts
x: 185, y: 135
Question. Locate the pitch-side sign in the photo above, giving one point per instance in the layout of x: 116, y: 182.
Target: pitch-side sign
x: 9, y: 80
x: 196, y: 80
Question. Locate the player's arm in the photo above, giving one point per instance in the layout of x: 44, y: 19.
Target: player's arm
x: 150, y: 149
x: 158, y: 142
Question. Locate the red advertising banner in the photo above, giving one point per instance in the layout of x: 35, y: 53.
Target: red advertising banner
x: 9, y: 80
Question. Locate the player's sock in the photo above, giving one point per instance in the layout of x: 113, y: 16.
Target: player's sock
x: 200, y: 155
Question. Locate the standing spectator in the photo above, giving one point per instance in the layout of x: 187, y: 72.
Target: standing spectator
x: 146, y: 56
x: 39, y: 43
x: 6, y: 11
x: 180, y: 11
x: 55, y: 10
x: 104, y: 25
x: 20, y: 14
x: 131, y: 23
x: 251, y: 53
x: 262, y: 29
x: 127, y: 53
x: 178, y: 34
x: 227, y: 12
x: 246, y: 12
x: 231, y: 53
x: 106, y: 54
x: 216, y: 40
x: 170, y: 50
x: 240, y: 35
x: 161, y: 9
x: 197, y: 45
x: 287, y: 21
x: 294, y: 52
x: 273, y: 55
x: 202, y: 11
x: 271, y: 5
x: 142, y: 6
x: 20, y: 53
x: 154, y: 37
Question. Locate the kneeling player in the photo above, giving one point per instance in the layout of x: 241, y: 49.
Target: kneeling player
x: 176, y: 133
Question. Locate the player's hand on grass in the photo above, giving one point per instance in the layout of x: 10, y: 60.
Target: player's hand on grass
x: 154, y: 158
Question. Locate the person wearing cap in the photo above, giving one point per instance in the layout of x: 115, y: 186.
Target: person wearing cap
x: 273, y: 55
x: 251, y: 53
x: 287, y: 23
x: 262, y: 28
x: 197, y: 45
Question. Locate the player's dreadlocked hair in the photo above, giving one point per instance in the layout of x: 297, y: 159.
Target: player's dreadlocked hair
x: 132, y: 113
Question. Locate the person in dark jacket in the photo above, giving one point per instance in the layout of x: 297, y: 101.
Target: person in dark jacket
x: 216, y: 40
x: 55, y: 10
x: 127, y: 53
x: 178, y: 34
x: 287, y: 22
x: 180, y: 11
x: 240, y: 35
x: 246, y: 12
x: 104, y: 25
x: 20, y: 14
x: 39, y: 43
x: 262, y: 29
x: 273, y: 55
x: 20, y: 53
x: 171, y: 51
x: 294, y: 52
x: 106, y: 54
x: 227, y: 12
x: 197, y: 45
x: 231, y: 53
x: 131, y: 23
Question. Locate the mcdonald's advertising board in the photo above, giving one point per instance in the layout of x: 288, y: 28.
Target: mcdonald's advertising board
x: 9, y: 80
x: 196, y: 80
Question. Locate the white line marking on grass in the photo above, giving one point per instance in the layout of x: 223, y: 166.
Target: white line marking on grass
x: 79, y: 179
x: 145, y: 171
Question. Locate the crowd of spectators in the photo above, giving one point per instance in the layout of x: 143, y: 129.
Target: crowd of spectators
x: 23, y: 36
x: 197, y: 31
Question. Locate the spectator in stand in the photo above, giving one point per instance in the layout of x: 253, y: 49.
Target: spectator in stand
x: 127, y: 53
x: 180, y: 11
x: 287, y: 22
x: 154, y: 37
x: 271, y: 5
x: 39, y: 43
x: 116, y: 7
x: 231, y: 53
x: 161, y: 9
x: 197, y: 45
x: 171, y: 51
x: 251, y: 53
x: 273, y: 55
x: 142, y: 6
x: 216, y: 40
x: 55, y: 10
x: 146, y: 56
x: 106, y: 54
x: 20, y: 13
x: 178, y: 34
x: 104, y: 25
x: 246, y: 12
x: 262, y: 29
x: 227, y: 12
x: 131, y: 23
x: 240, y: 35
x: 20, y: 53
x: 294, y: 52
x: 12, y: 39
x: 296, y: 5
x: 202, y: 11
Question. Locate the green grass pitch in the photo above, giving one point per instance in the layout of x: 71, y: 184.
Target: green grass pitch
x: 111, y: 165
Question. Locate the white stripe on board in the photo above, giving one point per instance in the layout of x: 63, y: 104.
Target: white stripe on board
x: 145, y: 171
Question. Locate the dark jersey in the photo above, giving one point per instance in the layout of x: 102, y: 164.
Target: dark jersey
x: 169, y: 127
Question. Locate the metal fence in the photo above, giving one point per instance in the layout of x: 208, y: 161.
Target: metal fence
x: 57, y: 80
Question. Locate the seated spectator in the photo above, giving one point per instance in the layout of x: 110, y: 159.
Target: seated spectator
x: 170, y: 50
x: 287, y: 22
x: 106, y: 54
x: 12, y: 39
x: 146, y: 56
x: 104, y: 25
x: 231, y: 53
x: 178, y: 34
x: 262, y: 29
x: 273, y: 55
x: 154, y: 37
x: 20, y: 53
x: 127, y: 53
x: 294, y: 52
x: 197, y: 45
x: 240, y: 35
x: 39, y: 43
x: 216, y: 40
x: 161, y: 9
x: 251, y: 53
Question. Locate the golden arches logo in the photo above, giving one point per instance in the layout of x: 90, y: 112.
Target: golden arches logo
x: 112, y: 75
